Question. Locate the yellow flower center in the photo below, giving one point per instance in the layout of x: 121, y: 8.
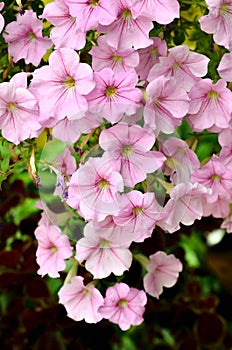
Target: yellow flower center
x: 176, y: 65
x: 69, y: 83
x: 53, y: 249
x: 11, y: 106
x: 32, y: 36
x: 137, y: 210
x: 87, y: 292
x: 154, y: 51
x: 126, y: 14
x: 212, y: 94
x: 110, y: 91
x: 127, y: 150
x: 223, y: 9
x: 94, y: 3
x: 104, y: 244
x: 216, y: 177
x: 103, y: 184
x: 117, y: 58
x: 123, y: 303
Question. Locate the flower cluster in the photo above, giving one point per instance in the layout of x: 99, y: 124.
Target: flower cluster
x: 129, y: 104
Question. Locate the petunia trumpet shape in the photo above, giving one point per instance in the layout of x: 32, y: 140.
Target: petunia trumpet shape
x: 163, y: 271
x: 115, y: 94
x: 124, y: 305
x: 19, y: 111
x: 53, y: 249
x: 94, y: 189
x: 128, y: 147
x: 105, y: 250
x: 25, y: 40
x: 81, y: 302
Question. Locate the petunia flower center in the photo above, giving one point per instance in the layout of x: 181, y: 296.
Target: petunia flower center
x: 32, y: 36
x: 103, y: 184
x: 53, y: 249
x: 87, y: 292
x: 223, y: 9
x: 137, y: 210
x: 126, y: 14
x: 154, y: 52
x: 110, y: 91
x: 216, y: 177
x: 117, y: 58
x: 94, y: 3
x: 69, y: 82
x: 123, y: 303
x: 11, y: 106
x: 212, y: 94
x: 104, y: 244
x: 176, y: 65
x: 127, y: 150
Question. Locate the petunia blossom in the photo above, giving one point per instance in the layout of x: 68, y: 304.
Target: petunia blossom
x: 209, y: 105
x: 181, y: 63
x: 218, y: 21
x: 138, y: 213
x: 81, y: 302
x: 94, y: 189
x: 129, y: 150
x: 181, y: 160
x: 215, y: 176
x: 66, y: 82
x: 90, y: 13
x: 53, y: 249
x: 19, y: 111
x: 115, y: 94
x: 167, y: 104
x: 66, y: 32
x: 104, y: 55
x: 184, y: 206
x: 227, y: 223
x: 25, y: 39
x: 105, y: 250
x: 130, y: 29
x: 163, y: 12
x: 149, y: 56
x: 124, y: 305
x: 163, y: 271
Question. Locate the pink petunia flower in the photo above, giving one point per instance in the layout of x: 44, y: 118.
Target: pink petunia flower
x: 184, y: 206
x: 66, y: 32
x: 130, y: 29
x: 115, y: 94
x: 81, y: 302
x: 215, y: 176
x: 218, y: 209
x: 225, y: 67
x: 184, y: 65
x: 138, y: 213
x: 163, y: 12
x: 53, y: 249
x: 2, y: 21
x: 163, y: 271
x: 19, y: 112
x: 25, y: 39
x: 106, y: 56
x: 209, y: 105
x: 181, y: 160
x: 105, y: 250
x: 89, y: 13
x: 218, y: 21
x: 124, y: 305
x: 168, y: 103
x: 67, y: 82
x: 94, y: 189
x: 129, y: 149
x: 149, y: 56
